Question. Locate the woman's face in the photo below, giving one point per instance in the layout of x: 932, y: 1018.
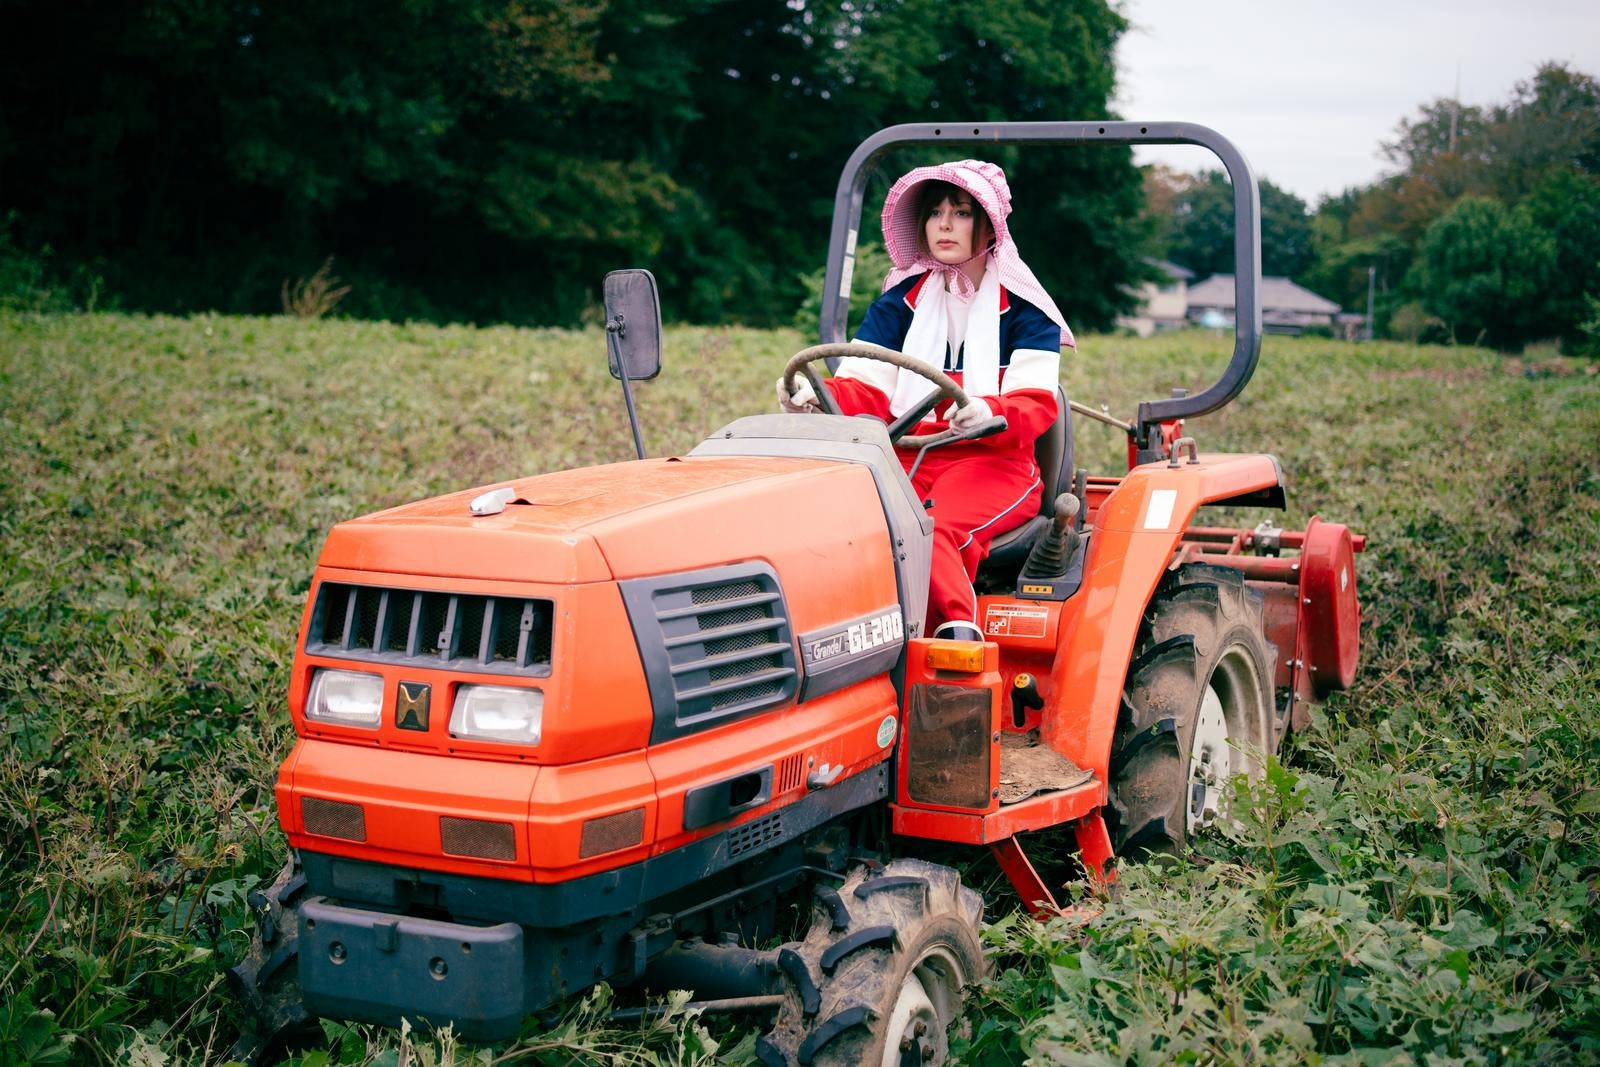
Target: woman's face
x: 949, y: 230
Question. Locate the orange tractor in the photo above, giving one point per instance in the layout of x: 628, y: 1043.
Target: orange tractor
x: 614, y: 724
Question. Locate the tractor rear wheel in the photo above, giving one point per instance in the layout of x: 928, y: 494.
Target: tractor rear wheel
x: 1196, y: 706
x: 878, y: 980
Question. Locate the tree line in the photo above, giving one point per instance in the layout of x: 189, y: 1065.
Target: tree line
x: 490, y: 160
x: 1487, y: 230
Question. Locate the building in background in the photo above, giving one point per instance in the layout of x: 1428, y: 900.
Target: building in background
x: 1163, y: 305
x: 1285, y: 307
x: 1350, y: 326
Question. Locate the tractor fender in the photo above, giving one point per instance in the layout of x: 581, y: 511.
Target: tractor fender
x: 1135, y: 534
x: 1330, y: 614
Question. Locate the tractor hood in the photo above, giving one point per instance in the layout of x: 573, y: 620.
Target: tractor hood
x: 599, y: 523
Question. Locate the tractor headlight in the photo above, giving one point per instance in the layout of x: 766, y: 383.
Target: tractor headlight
x: 498, y: 713
x: 348, y: 698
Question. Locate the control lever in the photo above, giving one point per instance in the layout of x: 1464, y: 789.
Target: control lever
x: 1024, y: 697
x: 1050, y: 554
x: 987, y: 428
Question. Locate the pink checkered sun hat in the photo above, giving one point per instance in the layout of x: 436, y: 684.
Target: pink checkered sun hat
x: 986, y: 183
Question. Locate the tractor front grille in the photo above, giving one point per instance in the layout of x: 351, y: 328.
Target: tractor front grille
x: 495, y: 634
x: 716, y: 645
x: 732, y: 648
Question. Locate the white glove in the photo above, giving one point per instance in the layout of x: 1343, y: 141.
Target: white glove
x: 804, y: 398
x: 969, y: 415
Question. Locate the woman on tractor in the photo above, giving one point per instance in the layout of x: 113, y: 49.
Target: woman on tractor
x: 961, y: 299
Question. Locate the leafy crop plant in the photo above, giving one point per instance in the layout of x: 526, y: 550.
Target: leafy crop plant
x: 1415, y: 882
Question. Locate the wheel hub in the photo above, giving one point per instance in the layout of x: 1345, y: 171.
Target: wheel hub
x: 1210, y: 762
x: 929, y: 1001
x: 909, y: 1026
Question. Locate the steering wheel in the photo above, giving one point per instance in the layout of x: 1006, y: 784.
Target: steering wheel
x: 946, y: 387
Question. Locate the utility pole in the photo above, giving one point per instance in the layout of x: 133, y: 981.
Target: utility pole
x: 1455, y: 110
x: 1372, y: 283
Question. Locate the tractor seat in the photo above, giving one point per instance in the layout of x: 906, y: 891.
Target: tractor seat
x: 1053, y: 452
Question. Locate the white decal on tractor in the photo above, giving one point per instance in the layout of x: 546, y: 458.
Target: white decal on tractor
x: 1158, y: 515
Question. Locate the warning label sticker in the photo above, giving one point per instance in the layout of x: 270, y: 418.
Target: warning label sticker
x: 1015, y: 620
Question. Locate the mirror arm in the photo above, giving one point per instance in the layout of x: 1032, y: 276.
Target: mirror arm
x: 614, y: 330
x: 631, y: 295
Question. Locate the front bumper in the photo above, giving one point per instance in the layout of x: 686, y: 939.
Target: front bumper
x: 377, y: 967
x: 531, y: 944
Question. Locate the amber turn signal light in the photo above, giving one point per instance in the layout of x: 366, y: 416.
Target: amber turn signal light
x: 963, y: 656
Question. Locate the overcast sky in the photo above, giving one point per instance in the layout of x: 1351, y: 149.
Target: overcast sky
x: 1308, y: 90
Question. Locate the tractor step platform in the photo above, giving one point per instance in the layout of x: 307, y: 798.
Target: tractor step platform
x: 1000, y: 821
x: 1028, y: 767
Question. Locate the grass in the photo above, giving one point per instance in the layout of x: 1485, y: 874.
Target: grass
x: 1415, y: 882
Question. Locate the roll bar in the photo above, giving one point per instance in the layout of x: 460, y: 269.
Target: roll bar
x: 966, y: 138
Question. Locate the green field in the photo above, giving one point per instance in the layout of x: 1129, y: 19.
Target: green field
x: 1416, y: 883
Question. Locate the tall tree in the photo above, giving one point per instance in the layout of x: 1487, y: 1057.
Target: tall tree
x: 490, y: 159
x: 1342, y: 253
x: 1199, y: 226
x: 1485, y: 271
x: 1550, y: 124
x: 1443, y: 129
x: 802, y: 92
x: 1566, y: 205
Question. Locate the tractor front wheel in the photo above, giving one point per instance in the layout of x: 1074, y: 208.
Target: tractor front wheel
x: 879, y: 978
x: 1196, y: 708
x: 267, y: 980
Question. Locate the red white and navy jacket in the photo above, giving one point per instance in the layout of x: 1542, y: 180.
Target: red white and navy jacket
x: 1030, y: 369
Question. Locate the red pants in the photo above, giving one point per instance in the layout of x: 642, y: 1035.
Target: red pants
x: 976, y: 497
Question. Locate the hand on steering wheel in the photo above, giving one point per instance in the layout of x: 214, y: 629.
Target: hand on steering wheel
x: 970, y: 415
x: 947, y: 389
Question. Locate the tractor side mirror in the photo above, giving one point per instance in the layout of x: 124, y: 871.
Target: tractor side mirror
x: 633, y: 324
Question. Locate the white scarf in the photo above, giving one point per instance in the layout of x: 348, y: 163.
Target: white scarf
x: 929, y: 335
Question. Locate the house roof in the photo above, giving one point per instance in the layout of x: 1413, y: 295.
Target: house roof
x: 1170, y: 269
x: 1277, y: 294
